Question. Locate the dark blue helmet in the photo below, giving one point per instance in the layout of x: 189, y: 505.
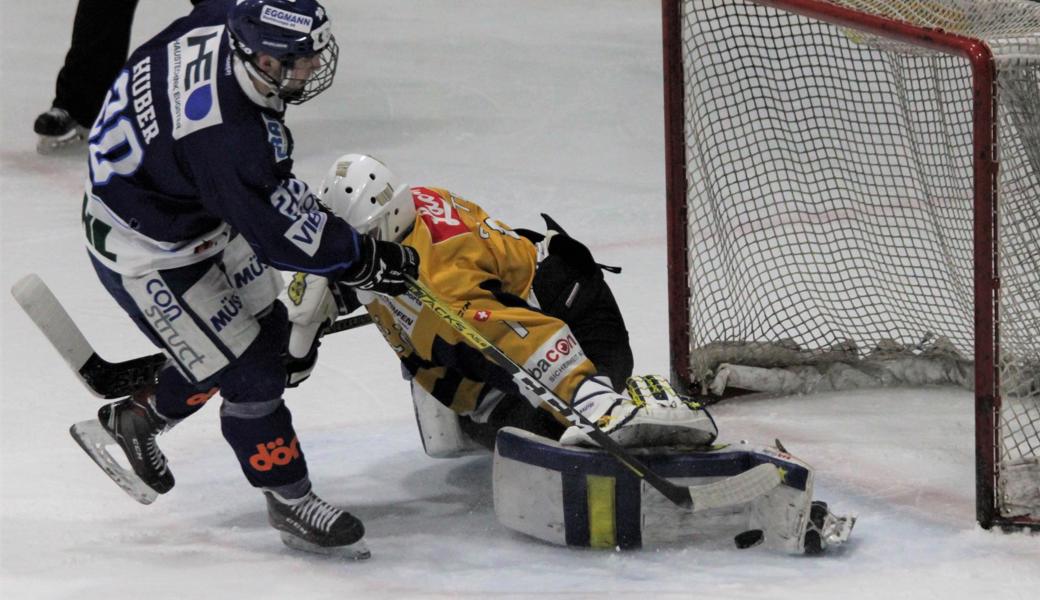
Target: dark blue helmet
x: 287, y: 30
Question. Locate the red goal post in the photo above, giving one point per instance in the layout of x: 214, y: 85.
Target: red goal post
x: 762, y: 266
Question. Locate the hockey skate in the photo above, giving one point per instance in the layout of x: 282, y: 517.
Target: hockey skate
x: 132, y: 424
x: 312, y: 525
x: 57, y: 131
x: 825, y: 529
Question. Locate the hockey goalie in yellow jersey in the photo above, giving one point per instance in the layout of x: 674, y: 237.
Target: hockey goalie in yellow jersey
x: 541, y: 299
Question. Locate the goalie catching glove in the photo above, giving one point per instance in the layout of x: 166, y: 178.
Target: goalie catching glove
x: 312, y: 307
x: 650, y: 413
x: 381, y: 267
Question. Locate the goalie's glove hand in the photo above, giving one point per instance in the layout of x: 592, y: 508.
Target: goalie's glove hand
x: 382, y: 266
x: 298, y: 369
x: 312, y: 307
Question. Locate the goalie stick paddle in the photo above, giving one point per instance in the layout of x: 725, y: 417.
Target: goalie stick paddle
x: 730, y: 491
x: 104, y: 379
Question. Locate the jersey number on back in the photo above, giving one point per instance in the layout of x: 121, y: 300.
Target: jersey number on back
x: 114, y: 146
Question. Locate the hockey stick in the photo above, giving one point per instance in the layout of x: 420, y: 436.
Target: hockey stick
x: 104, y: 379
x: 730, y: 491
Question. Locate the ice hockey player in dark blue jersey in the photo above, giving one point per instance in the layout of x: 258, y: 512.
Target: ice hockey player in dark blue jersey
x: 190, y: 207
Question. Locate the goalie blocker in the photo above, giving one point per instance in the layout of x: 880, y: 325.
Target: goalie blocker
x: 582, y: 497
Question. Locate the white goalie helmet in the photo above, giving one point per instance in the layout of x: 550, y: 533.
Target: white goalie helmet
x: 365, y: 193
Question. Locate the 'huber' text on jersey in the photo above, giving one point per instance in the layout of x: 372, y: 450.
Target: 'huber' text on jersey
x: 141, y: 89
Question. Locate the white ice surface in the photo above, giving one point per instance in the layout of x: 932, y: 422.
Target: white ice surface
x: 523, y: 106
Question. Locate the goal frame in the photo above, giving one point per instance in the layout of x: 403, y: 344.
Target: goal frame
x: 985, y: 167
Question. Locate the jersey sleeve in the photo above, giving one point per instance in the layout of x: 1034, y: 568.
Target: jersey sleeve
x: 240, y: 181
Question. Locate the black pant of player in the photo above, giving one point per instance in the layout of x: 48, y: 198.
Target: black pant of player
x: 100, y: 45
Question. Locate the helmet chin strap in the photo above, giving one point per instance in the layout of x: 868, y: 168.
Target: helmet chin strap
x: 254, y: 86
x: 261, y: 76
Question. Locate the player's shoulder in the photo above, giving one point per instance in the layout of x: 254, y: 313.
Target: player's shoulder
x: 193, y: 74
x: 440, y: 213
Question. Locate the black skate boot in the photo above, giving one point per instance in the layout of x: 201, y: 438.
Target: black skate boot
x: 57, y: 130
x: 132, y: 423
x: 313, y: 525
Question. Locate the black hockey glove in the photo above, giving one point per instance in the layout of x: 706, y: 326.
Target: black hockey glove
x: 382, y: 267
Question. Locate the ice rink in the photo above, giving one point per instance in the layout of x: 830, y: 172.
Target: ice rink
x: 524, y: 106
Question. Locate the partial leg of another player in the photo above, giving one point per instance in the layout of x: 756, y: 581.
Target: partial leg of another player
x: 242, y: 357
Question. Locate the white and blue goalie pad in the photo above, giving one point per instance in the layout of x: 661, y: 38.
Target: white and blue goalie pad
x: 576, y: 496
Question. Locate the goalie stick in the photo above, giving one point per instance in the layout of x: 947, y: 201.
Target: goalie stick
x: 737, y: 489
x: 104, y: 379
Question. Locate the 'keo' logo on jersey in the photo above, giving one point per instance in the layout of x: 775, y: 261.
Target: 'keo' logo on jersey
x: 277, y: 137
x: 286, y: 19
x: 192, y: 80
x: 439, y: 214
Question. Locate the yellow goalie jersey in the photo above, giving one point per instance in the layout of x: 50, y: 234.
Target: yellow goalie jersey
x: 474, y: 263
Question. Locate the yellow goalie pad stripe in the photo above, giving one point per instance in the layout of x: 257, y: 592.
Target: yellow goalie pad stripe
x: 602, y: 531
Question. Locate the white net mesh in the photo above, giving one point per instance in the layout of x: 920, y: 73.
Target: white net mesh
x: 831, y: 193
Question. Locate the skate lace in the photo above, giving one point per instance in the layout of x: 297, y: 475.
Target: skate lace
x: 158, y: 427
x: 155, y: 456
x: 317, y: 512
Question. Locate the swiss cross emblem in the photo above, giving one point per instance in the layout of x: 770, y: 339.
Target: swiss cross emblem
x: 482, y: 315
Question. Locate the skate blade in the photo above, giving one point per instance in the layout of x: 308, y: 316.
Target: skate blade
x: 93, y: 438
x: 356, y: 551
x: 64, y: 144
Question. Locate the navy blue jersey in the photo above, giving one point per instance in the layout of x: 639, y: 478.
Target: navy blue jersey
x: 185, y: 152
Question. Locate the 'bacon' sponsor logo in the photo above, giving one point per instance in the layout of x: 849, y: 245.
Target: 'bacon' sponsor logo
x: 556, y: 358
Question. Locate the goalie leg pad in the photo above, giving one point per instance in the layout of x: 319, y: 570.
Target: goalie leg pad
x: 442, y: 436
x: 666, y: 419
x: 583, y: 497
x: 649, y: 414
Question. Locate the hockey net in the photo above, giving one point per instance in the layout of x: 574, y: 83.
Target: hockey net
x: 854, y: 199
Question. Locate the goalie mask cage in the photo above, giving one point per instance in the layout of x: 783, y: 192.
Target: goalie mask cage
x: 851, y: 176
